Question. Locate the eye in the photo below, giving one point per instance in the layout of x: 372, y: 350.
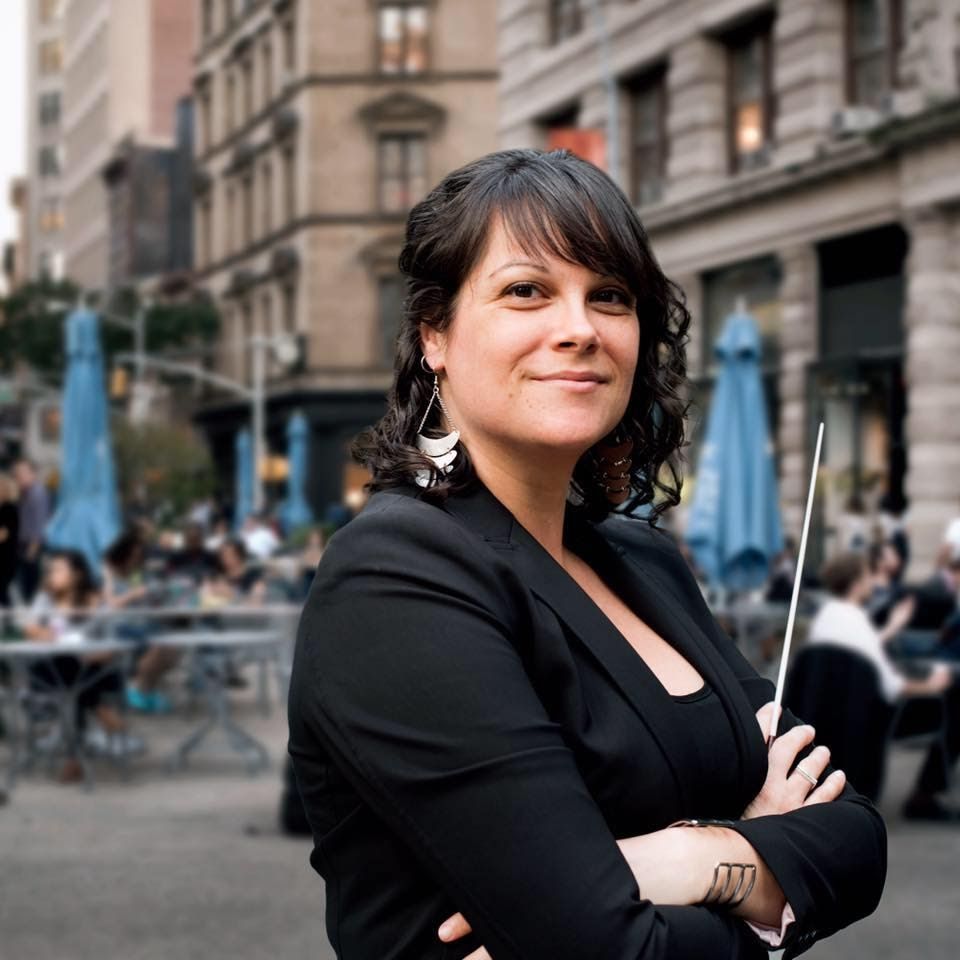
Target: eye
x: 614, y: 295
x: 525, y: 291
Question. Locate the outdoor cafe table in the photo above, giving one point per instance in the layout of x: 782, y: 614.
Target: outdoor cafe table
x: 211, y: 650
x: 20, y: 655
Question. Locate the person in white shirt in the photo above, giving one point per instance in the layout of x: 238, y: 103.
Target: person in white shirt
x: 843, y: 621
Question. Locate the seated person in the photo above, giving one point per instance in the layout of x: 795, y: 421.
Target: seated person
x: 886, y: 569
x: 193, y: 560
x: 124, y: 588
x: 66, y: 594
x: 842, y: 621
x: 937, y: 597
x: 237, y: 579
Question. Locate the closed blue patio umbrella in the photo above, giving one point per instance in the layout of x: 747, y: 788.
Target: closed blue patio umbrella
x: 87, y: 517
x: 734, y: 527
x: 243, y: 482
x: 295, y: 511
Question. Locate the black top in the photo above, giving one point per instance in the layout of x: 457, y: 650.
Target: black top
x: 470, y: 732
x: 8, y: 547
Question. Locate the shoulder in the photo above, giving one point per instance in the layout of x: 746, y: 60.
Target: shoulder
x: 401, y: 523
x: 399, y: 537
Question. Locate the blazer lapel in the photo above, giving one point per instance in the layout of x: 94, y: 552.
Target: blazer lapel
x: 484, y: 514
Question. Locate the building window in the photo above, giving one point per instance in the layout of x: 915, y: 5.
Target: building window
x: 267, y: 51
x: 205, y: 109
x: 49, y: 161
x: 230, y: 245
x: 290, y: 308
x: 206, y: 232
x: 207, y: 19
x: 390, y: 289
x: 402, y: 170
x: 50, y: 10
x: 229, y: 103
x: 290, y: 182
x: 566, y: 19
x: 267, y: 176
x: 757, y: 283
x: 246, y: 188
x: 648, y: 138
x: 403, y: 37
x: 750, y: 80
x: 289, y: 29
x: 51, y: 57
x: 51, y: 215
x: 49, y: 108
x: 246, y: 339
x: 874, y: 40
x: 246, y: 69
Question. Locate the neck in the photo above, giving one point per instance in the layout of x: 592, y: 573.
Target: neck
x: 535, y: 492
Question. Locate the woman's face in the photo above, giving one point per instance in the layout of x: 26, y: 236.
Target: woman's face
x: 59, y: 576
x: 539, y: 358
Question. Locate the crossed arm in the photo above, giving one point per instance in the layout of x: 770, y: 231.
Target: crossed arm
x: 419, y: 694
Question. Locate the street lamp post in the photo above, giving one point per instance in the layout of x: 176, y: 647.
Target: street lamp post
x: 286, y: 350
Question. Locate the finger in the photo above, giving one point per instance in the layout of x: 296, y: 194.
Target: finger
x: 480, y: 954
x: 829, y: 790
x: 815, y: 762
x: 810, y: 768
x: 763, y: 717
x: 784, y: 750
x: 454, y: 927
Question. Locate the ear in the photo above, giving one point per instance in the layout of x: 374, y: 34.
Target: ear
x: 433, y: 343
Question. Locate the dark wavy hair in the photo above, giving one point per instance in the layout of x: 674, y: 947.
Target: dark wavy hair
x: 551, y: 204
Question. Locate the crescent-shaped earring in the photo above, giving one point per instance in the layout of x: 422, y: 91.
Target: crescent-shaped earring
x: 441, y: 451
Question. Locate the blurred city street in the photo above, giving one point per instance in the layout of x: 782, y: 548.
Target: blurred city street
x: 193, y: 865
x: 186, y: 865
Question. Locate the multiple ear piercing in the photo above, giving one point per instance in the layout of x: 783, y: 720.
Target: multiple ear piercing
x: 614, y: 460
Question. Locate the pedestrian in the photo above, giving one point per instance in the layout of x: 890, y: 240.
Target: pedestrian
x: 9, y: 523
x: 34, y: 512
x: 843, y: 621
x: 494, y: 710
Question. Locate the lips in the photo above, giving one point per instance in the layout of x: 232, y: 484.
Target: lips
x: 580, y: 376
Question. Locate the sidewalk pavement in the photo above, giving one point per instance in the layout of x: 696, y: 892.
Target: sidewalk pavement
x: 192, y: 866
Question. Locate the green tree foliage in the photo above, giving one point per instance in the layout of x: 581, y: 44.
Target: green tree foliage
x: 31, y: 328
x: 165, y: 465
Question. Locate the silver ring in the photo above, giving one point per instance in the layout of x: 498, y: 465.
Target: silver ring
x: 424, y: 366
x: 806, y: 776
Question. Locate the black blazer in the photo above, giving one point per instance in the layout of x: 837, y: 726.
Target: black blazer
x: 470, y: 732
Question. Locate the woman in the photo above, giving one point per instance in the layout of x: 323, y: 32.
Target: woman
x: 8, y: 537
x: 67, y: 593
x: 492, y: 710
x: 843, y: 622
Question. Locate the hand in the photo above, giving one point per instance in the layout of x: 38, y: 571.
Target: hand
x: 784, y: 791
x: 940, y: 678
x: 455, y: 927
x: 901, y: 614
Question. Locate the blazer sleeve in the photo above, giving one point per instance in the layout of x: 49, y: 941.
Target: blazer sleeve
x: 407, y: 672
x: 830, y: 859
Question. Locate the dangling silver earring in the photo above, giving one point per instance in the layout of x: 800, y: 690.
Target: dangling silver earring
x: 441, y: 451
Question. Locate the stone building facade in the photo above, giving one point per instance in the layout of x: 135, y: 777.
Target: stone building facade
x: 45, y: 151
x: 126, y: 63
x: 803, y: 155
x: 318, y: 125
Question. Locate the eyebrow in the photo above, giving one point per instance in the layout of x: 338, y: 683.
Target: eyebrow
x: 519, y: 263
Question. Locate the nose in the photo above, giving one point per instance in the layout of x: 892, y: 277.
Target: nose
x: 575, y: 330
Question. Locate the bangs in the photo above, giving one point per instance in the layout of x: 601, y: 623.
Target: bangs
x: 586, y: 223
